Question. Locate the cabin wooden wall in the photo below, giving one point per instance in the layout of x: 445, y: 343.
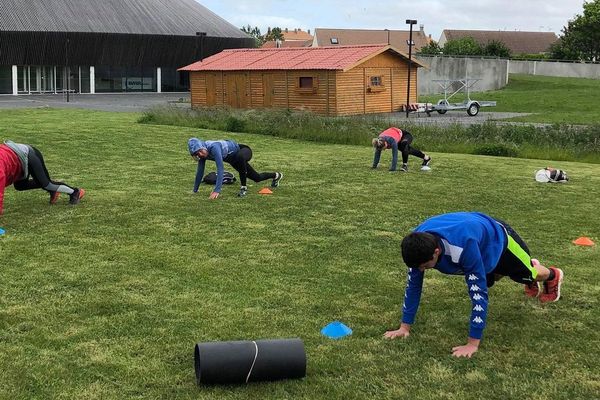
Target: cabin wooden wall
x: 336, y: 92
x: 355, y: 95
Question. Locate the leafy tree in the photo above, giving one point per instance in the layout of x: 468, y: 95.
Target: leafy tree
x: 466, y: 46
x: 432, y: 48
x: 560, y: 51
x: 274, y: 34
x: 581, y: 36
x: 496, y: 48
x: 255, y: 33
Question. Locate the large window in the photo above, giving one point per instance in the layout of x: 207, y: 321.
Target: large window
x: 174, y: 81
x: 6, y: 79
x: 121, y: 79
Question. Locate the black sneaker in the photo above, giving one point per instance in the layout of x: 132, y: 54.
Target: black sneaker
x: 404, y: 168
x: 243, y: 191
x: 426, y: 162
x: 76, y: 196
x: 275, y: 181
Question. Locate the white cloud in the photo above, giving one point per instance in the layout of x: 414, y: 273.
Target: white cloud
x: 436, y: 15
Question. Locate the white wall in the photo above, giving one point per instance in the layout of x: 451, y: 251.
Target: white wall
x: 493, y: 72
x: 551, y: 68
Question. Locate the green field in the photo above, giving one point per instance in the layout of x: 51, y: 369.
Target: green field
x: 105, y: 300
x: 550, y: 99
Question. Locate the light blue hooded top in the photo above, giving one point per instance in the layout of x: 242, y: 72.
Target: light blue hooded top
x: 471, y: 245
x: 218, y: 150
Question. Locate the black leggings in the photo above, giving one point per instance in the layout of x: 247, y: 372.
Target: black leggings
x: 240, y: 161
x: 40, y: 177
x: 406, y: 148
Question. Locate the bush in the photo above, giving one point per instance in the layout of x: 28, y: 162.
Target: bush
x: 559, y: 142
x: 234, y: 124
x: 498, y: 150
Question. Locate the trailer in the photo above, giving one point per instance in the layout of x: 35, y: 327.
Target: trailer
x: 444, y: 105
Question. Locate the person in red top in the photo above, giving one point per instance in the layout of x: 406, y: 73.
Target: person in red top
x: 394, y: 138
x: 19, y: 162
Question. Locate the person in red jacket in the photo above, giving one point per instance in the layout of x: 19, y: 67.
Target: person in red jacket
x: 19, y: 163
x: 395, y: 138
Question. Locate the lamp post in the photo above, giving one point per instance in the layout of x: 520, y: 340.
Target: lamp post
x: 410, y: 43
x: 202, y: 35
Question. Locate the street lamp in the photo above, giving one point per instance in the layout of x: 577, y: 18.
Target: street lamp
x: 202, y: 35
x: 410, y: 43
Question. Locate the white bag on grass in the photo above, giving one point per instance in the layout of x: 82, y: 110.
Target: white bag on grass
x: 551, y: 175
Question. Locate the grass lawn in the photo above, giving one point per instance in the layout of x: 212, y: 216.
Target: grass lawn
x: 550, y: 99
x: 106, y: 300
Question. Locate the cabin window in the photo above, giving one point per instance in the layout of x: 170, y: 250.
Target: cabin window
x: 376, y: 81
x: 307, y: 84
x: 334, y: 40
x: 376, y: 84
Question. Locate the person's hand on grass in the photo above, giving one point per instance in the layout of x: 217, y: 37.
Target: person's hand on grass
x: 467, y: 350
x: 403, y: 332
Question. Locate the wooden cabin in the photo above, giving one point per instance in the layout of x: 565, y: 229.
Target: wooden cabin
x: 342, y: 80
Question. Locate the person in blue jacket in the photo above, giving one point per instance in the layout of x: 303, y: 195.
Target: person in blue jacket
x: 237, y: 155
x: 483, y: 250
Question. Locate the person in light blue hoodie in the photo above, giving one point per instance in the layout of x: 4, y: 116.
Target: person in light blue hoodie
x: 237, y: 155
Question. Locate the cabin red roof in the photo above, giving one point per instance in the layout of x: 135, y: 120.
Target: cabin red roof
x: 325, y: 58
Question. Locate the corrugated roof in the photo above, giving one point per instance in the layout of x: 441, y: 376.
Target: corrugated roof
x: 517, y: 42
x: 324, y: 58
x: 345, y: 37
x: 153, y: 17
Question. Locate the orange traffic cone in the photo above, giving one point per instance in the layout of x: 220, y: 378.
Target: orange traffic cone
x: 584, y: 241
x: 265, y: 191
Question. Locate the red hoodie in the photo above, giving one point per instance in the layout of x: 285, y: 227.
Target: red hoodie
x: 10, y: 170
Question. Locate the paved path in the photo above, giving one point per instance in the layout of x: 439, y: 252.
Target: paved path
x: 139, y: 102
x: 126, y: 102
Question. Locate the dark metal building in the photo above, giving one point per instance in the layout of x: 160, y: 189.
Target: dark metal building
x: 94, y: 46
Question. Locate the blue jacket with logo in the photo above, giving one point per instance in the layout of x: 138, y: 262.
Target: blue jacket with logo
x: 471, y: 245
x: 218, y: 150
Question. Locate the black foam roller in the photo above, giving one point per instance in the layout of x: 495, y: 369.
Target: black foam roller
x: 249, y: 361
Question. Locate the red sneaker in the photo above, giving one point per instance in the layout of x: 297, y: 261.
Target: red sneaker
x: 532, y: 289
x: 54, y: 197
x: 551, y: 290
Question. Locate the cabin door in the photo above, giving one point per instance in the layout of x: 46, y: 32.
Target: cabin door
x: 211, y: 89
x: 236, y: 94
x: 268, y: 89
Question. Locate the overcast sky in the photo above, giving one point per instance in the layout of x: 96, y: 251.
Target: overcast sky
x: 436, y: 15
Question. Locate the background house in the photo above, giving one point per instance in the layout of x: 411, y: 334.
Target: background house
x: 291, y: 38
x: 345, y: 37
x: 517, y: 42
x: 339, y: 80
x: 108, y: 45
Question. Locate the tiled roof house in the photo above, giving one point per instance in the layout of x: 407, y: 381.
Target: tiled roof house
x: 345, y: 37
